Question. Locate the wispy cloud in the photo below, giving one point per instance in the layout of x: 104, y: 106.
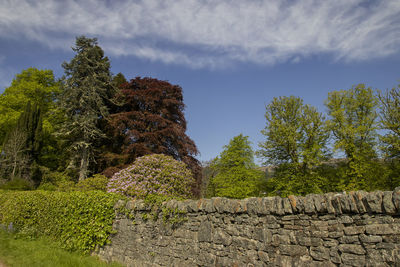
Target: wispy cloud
x: 205, y: 33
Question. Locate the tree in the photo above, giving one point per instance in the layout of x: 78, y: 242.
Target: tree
x: 31, y: 85
x: 295, y: 143
x: 390, y: 122
x: 353, y: 124
x: 87, y: 90
x: 236, y: 176
x: 23, y: 144
x: 151, y: 121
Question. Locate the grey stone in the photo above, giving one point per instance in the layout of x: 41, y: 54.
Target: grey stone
x: 308, y: 203
x: 293, y: 250
x: 354, y: 230
x: 319, y: 253
x: 396, y: 198
x: 358, y: 197
x: 349, y: 239
x: 370, y: 238
x: 379, y: 229
x: 373, y: 201
x: 297, y: 203
x: 353, y: 260
x: 388, y: 203
x: 221, y: 237
x: 205, y: 232
x: 263, y: 256
x: 352, y: 248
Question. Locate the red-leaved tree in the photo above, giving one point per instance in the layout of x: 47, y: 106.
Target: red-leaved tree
x: 150, y: 121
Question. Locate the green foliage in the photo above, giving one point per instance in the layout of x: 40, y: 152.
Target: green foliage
x: 75, y: 220
x: 97, y: 182
x: 353, y: 124
x: 22, y: 146
x: 296, y: 140
x: 31, y: 85
x: 42, y: 253
x: 236, y: 176
x: 170, y: 216
x: 87, y: 89
x: 155, y: 174
x: 17, y: 184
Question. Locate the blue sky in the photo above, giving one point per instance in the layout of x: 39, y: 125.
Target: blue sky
x: 230, y: 57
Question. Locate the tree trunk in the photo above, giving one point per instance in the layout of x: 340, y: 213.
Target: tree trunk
x: 84, y: 165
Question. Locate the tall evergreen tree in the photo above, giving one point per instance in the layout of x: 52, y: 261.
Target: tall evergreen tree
x: 87, y: 90
x: 236, y: 176
x: 23, y: 144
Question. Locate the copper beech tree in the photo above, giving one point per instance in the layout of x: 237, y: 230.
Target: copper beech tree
x: 150, y: 120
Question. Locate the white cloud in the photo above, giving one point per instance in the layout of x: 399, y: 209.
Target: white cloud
x: 205, y: 33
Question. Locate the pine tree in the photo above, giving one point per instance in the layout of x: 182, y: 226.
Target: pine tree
x: 87, y: 90
x: 23, y: 144
x: 236, y: 176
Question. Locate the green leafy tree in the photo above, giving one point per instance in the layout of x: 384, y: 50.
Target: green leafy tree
x: 31, y: 85
x: 390, y: 122
x: 87, y: 90
x: 236, y: 176
x: 295, y: 144
x: 353, y: 122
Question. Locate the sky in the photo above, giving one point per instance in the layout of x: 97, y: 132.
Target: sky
x: 231, y: 57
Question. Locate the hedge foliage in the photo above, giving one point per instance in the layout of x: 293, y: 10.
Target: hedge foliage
x: 76, y: 220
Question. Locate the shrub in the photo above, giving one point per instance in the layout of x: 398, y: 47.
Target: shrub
x: 97, y: 182
x: 153, y: 174
x: 76, y: 220
x: 17, y: 184
x: 53, y: 180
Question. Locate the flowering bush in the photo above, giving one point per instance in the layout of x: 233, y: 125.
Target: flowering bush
x: 153, y: 174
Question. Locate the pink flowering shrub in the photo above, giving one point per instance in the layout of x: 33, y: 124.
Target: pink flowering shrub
x: 154, y: 174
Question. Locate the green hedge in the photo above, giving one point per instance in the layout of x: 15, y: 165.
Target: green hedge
x: 76, y: 220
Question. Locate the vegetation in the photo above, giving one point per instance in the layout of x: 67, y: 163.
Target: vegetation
x: 150, y: 121
x: 74, y: 220
x: 296, y: 140
x: 154, y: 174
x: 86, y: 90
x: 42, y: 253
x: 235, y: 175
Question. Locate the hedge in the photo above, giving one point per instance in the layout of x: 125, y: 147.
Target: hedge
x: 75, y: 220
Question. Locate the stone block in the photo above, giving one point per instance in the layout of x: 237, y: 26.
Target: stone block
x: 205, y: 232
x: 352, y: 248
x: 293, y: 250
x: 388, y: 204
x: 319, y: 253
x: 370, y: 238
x: 373, y: 201
x: 354, y: 230
x: 379, y: 229
x: 353, y: 260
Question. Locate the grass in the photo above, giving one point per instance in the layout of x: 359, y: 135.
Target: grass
x: 41, y: 252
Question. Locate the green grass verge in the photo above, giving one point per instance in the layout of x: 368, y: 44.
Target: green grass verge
x: 41, y: 252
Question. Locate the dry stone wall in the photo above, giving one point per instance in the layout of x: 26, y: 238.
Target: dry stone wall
x: 354, y: 229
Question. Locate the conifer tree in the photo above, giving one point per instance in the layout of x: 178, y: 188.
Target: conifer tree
x: 87, y: 90
x: 236, y: 176
x: 23, y: 144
